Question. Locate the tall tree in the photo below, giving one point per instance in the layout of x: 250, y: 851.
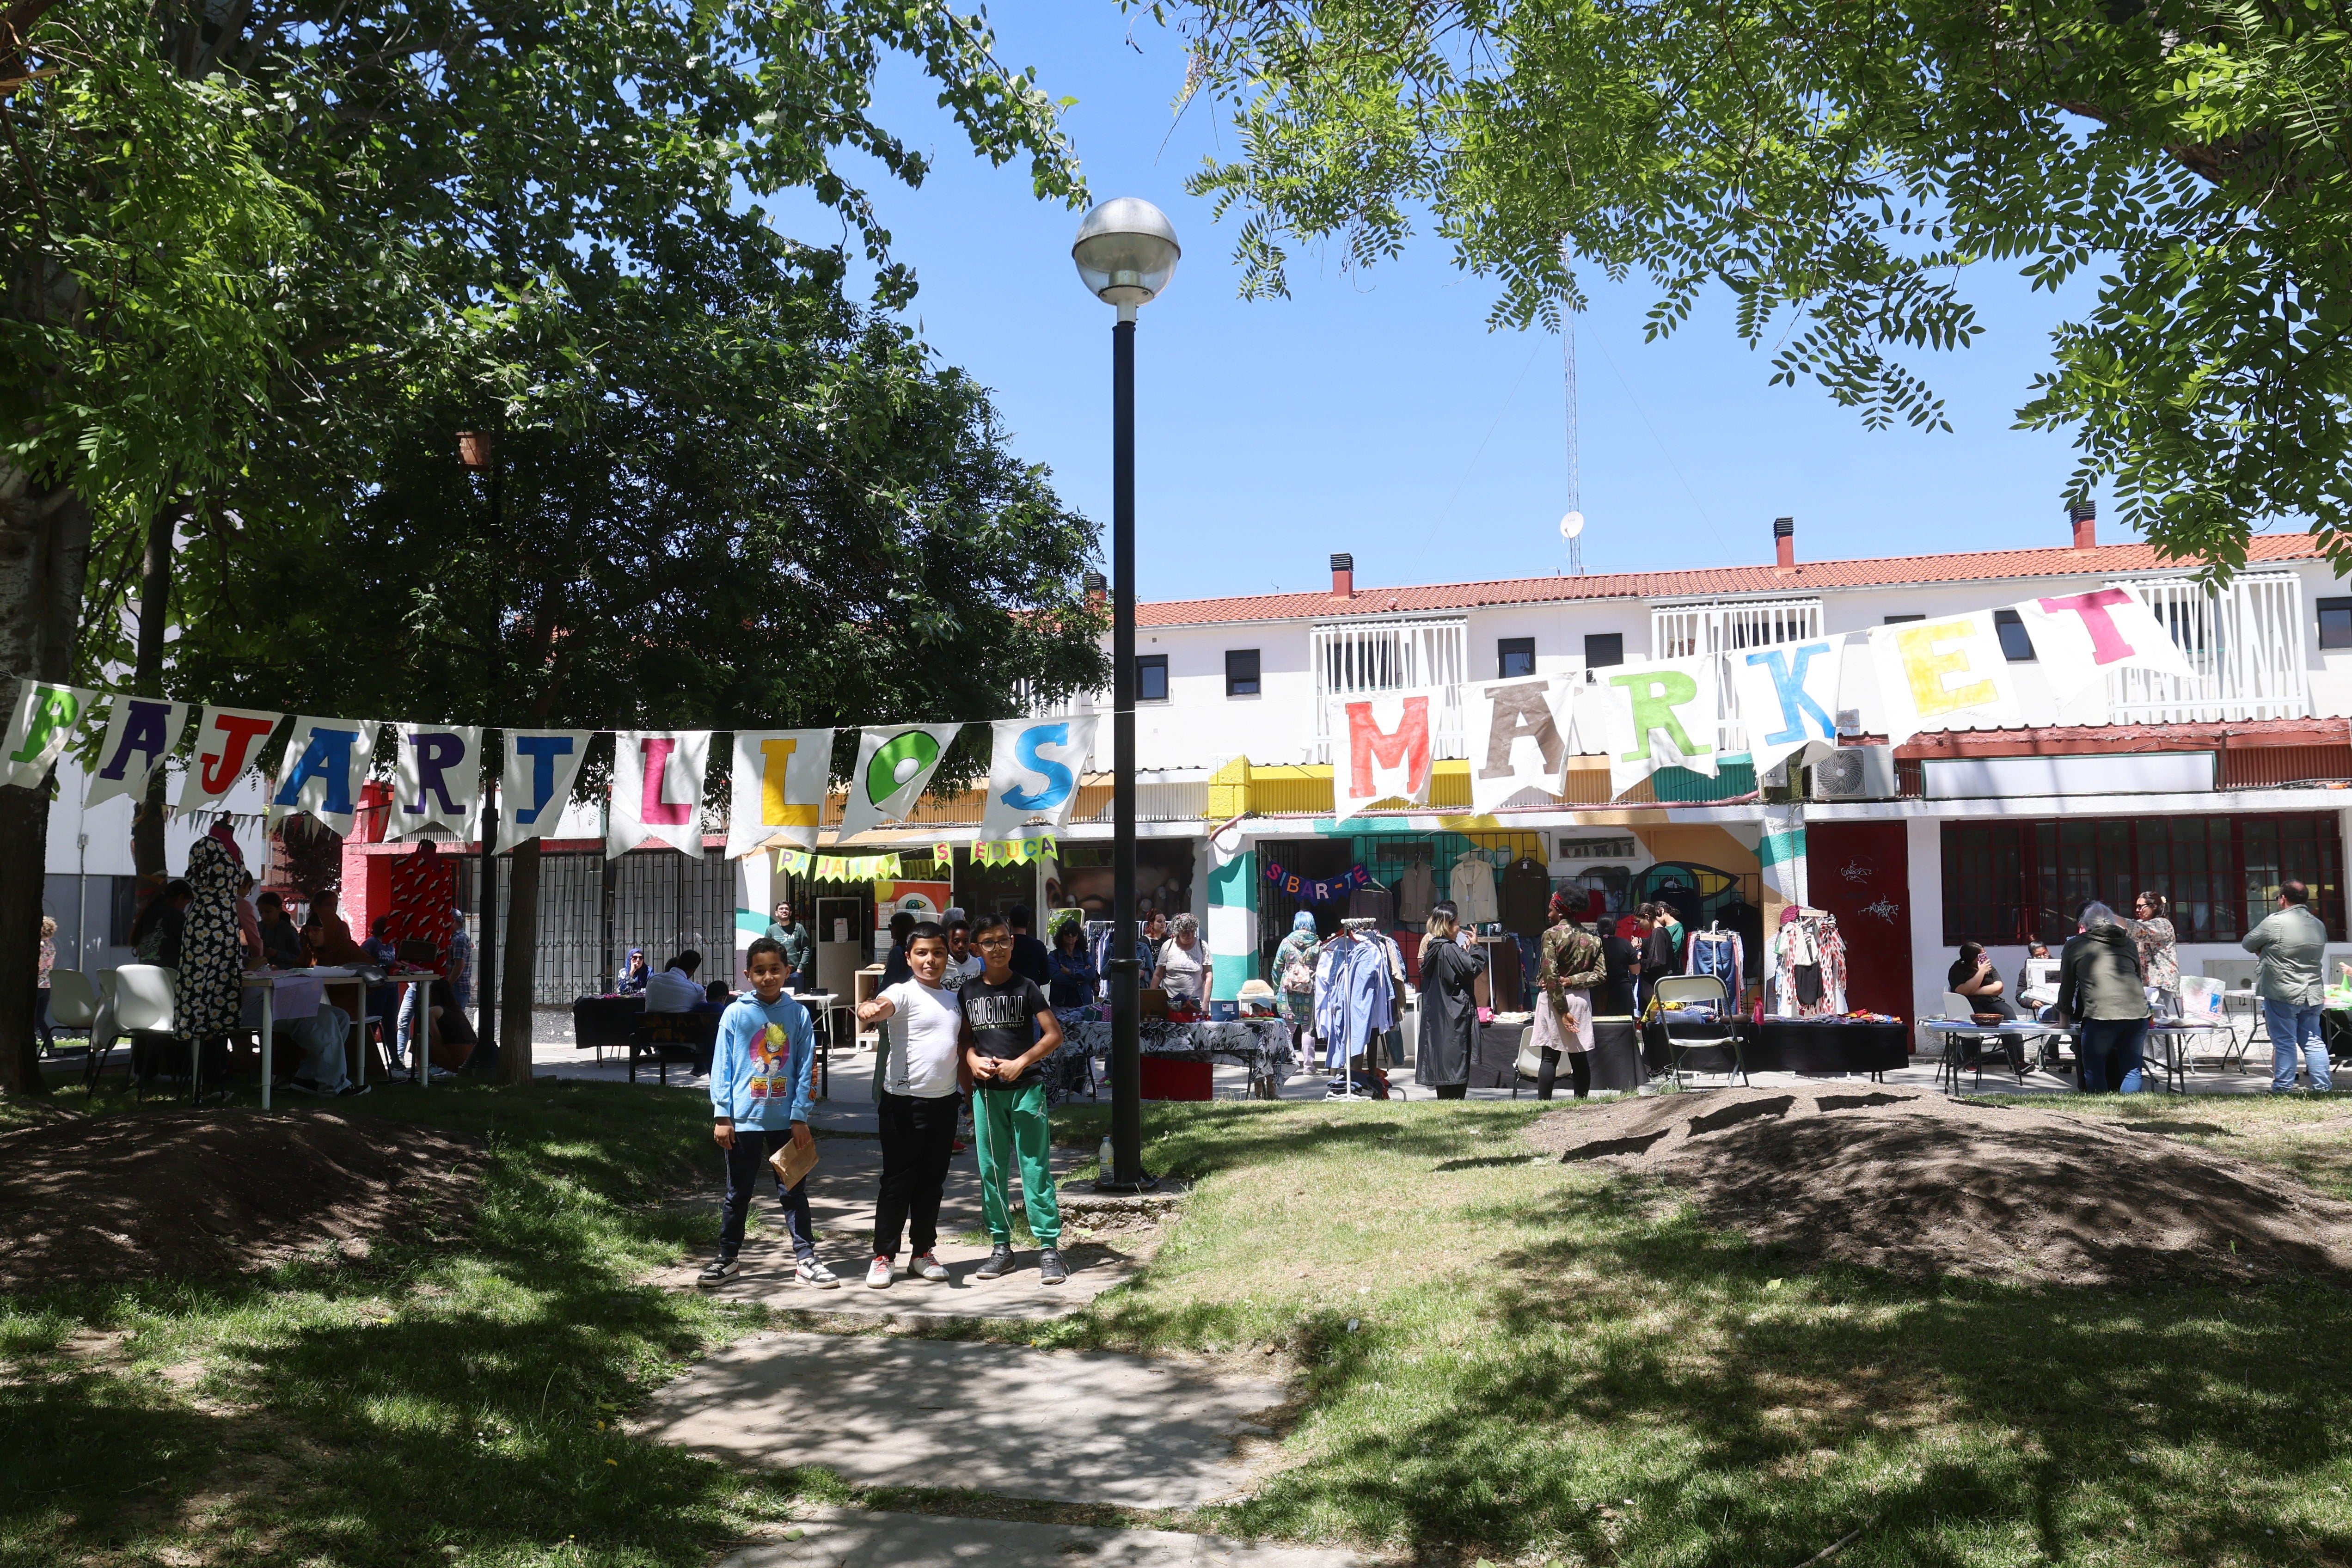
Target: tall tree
x: 727, y: 498
x: 1834, y: 166
x: 227, y: 208
x: 140, y: 243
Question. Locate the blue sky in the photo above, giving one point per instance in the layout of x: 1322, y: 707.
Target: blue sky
x: 1373, y: 412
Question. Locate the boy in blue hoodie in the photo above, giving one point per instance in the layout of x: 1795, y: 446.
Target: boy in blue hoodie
x: 758, y: 1102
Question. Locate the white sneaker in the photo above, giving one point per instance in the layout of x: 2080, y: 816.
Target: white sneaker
x: 811, y: 1272
x: 929, y: 1266
x: 878, y: 1274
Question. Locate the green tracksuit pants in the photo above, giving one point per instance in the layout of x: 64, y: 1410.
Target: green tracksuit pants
x: 1010, y: 1124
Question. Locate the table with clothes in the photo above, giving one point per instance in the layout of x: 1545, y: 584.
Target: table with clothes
x: 1260, y: 1045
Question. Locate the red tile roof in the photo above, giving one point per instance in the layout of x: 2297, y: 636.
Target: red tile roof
x: 1882, y: 572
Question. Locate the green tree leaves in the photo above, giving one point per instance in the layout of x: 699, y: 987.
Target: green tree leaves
x: 1837, y: 167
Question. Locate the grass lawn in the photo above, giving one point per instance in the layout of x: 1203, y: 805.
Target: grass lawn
x: 1496, y: 1357
x: 1534, y: 1361
x: 441, y: 1400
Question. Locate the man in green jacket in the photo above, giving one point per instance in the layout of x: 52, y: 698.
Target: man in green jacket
x: 2293, y: 984
x: 794, y: 938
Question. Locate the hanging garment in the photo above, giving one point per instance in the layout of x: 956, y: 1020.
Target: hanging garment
x: 1809, y: 967
x: 1372, y: 903
x: 1415, y: 891
x: 1354, y: 1000
x: 1526, y: 898
x: 1720, y: 954
x: 1293, y: 977
x: 1472, y: 887
x: 1449, y: 1013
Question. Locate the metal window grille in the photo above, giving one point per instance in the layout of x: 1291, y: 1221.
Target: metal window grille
x: 1691, y: 631
x: 1356, y: 658
x: 2245, y: 642
x: 663, y: 902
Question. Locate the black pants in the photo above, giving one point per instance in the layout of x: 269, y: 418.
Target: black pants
x: 917, y: 1141
x: 1579, y: 1073
x: 1451, y: 1090
x: 746, y: 1163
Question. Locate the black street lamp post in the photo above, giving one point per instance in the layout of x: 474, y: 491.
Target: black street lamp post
x: 1126, y: 254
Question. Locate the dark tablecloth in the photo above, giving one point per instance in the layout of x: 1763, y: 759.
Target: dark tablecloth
x: 604, y: 1020
x: 1261, y: 1045
x: 1789, y: 1045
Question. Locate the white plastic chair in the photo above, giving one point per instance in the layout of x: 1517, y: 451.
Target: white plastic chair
x: 144, y: 997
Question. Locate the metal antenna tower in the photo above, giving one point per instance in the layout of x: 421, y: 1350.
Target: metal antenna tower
x: 1571, y: 526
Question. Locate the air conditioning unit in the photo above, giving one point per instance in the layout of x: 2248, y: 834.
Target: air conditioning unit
x: 1853, y: 772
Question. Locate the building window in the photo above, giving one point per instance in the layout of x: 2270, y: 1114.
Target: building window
x: 1513, y: 656
x: 2012, y: 882
x: 1152, y: 678
x: 1898, y: 620
x: 2334, y: 623
x: 1602, y: 650
x: 1241, y: 672
x: 2016, y: 642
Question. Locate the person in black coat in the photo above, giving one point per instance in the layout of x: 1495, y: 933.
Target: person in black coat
x: 1615, y: 997
x: 1450, y: 968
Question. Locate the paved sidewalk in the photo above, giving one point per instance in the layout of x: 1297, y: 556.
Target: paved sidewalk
x: 1064, y: 1425
x: 841, y: 1198
x: 852, y: 1537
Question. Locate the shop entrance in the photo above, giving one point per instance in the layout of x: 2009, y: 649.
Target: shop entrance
x: 1861, y: 872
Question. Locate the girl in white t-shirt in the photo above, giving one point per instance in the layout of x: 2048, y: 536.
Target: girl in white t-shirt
x: 923, y: 1081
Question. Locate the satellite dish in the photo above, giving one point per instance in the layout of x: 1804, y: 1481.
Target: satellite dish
x: 1571, y: 524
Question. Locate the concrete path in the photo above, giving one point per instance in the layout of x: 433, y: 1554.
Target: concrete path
x: 1065, y: 1427
x: 841, y: 1199
x: 852, y: 1537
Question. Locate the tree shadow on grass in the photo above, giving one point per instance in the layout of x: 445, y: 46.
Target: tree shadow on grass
x: 1647, y: 1389
x: 375, y: 1411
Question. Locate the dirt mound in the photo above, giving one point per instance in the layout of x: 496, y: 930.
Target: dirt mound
x: 1919, y: 1183
x: 134, y: 1198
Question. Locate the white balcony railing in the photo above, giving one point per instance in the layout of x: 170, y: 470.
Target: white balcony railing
x: 2245, y: 642
x: 1687, y: 631
x: 1356, y: 659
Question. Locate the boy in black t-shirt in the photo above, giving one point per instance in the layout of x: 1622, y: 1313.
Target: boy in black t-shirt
x: 1008, y: 1029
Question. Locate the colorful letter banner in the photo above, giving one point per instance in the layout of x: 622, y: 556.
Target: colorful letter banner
x: 1383, y: 746
x: 1032, y: 773
x: 1518, y: 739
x: 1318, y: 889
x: 838, y: 868
x: 2081, y: 637
x: 1657, y: 716
x: 1788, y: 696
x: 894, y: 763
x: 657, y: 790
x: 436, y: 780
x: 1944, y: 673
x: 778, y: 789
x: 326, y: 761
x: 1013, y: 851
x: 141, y: 732
x: 44, y: 720
x: 228, y: 741
x: 536, y: 782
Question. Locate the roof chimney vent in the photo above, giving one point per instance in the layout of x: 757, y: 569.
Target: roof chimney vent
x: 1343, y: 577
x: 2085, y: 516
x: 1784, y: 540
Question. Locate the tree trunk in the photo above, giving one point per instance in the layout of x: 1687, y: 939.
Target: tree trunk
x: 522, y: 954
x: 45, y: 534
x: 154, y: 609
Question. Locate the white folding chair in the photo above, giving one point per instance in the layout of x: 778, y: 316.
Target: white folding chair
x: 1528, y: 1069
x: 144, y: 994
x: 1696, y: 991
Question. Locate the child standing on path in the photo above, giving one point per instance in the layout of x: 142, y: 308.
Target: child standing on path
x: 1008, y: 1030
x: 760, y: 1103
x: 922, y: 1091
